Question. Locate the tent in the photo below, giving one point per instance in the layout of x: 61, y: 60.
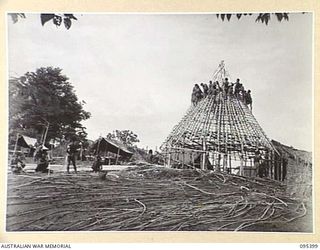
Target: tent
x: 25, y: 141
x: 107, y: 145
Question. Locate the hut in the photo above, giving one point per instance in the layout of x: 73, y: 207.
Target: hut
x: 111, y: 151
x: 221, y: 133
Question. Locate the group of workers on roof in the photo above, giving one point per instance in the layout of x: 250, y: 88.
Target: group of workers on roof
x: 227, y: 89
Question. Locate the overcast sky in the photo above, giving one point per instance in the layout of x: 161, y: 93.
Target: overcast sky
x: 137, y: 71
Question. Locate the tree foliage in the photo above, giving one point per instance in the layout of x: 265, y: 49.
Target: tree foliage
x: 66, y: 19
x: 127, y: 137
x: 261, y: 17
x: 44, y: 97
x: 56, y: 19
x: 15, y: 16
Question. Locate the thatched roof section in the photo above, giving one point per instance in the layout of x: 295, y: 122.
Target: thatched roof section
x: 107, y: 145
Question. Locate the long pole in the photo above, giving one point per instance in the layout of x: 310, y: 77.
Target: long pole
x: 44, y: 140
x: 98, y: 147
x: 45, y: 134
x: 15, y: 149
x: 16, y: 144
x: 117, y: 156
x: 203, y: 165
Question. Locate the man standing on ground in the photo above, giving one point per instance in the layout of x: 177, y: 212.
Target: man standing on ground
x: 71, y: 156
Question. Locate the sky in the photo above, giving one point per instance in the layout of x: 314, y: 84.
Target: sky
x: 136, y: 71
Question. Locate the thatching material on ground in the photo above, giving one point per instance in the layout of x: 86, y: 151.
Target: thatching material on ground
x: 152, y: 199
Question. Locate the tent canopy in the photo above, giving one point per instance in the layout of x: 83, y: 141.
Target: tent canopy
x: 25, y: 141
x: 106, y: 145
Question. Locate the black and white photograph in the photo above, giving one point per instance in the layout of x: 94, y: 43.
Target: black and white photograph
x: 160, y: 122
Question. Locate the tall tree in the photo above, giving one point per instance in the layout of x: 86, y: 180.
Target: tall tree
x: 127, y: 137
x: 45, y: 97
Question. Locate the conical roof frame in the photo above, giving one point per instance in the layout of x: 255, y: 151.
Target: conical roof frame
x: 218, y: 123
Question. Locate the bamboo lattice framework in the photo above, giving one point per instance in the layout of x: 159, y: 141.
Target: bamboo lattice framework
x: 219, y: 124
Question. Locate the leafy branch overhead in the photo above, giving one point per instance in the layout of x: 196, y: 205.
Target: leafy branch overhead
x: 15, y: 16
x: 261, y: 17
x: 57, y: 19
x: 66, y: 19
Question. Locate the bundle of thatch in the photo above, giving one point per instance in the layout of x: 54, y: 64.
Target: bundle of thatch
x: 152, y: 198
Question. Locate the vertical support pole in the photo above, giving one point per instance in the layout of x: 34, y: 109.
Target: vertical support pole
x: 281, y: 171
x: 192, y: 158
x: 117, y: 156
x: 44, y: 140
x: 14, y: 150
x: 224, y: 162
x: 271, y: 171
x: 203, y: 164
x: 213, y: 160
x: 217, y: 167
x: 45, y: 134
x: 182, y: 158
x: 277, y: 168
x: 183, y: 151
x: 229, y: 164
x: 241, y: 165
x: 98, y: 146
x: 16, y: 144
x: 169, y: 158
x: 42, y: 136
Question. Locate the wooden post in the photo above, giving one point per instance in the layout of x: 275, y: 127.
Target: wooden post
x: 45, y: 134
x: 217, y: 167
x: 230, y: 164
x: 183, y: 152
x: 16, y: 144
x: 192, y: 158
x: 203, y: 165
x: 203, y: 162
x: 117, y: 156
x: 271, y: 171
x: 225, y: 162
x: 281, y: 169
x: 182, y: 158
x: 98, y: 146
x: 42, y: 136
x: 213, y: 160
x: 241, y: 172
x: 14, y: 150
